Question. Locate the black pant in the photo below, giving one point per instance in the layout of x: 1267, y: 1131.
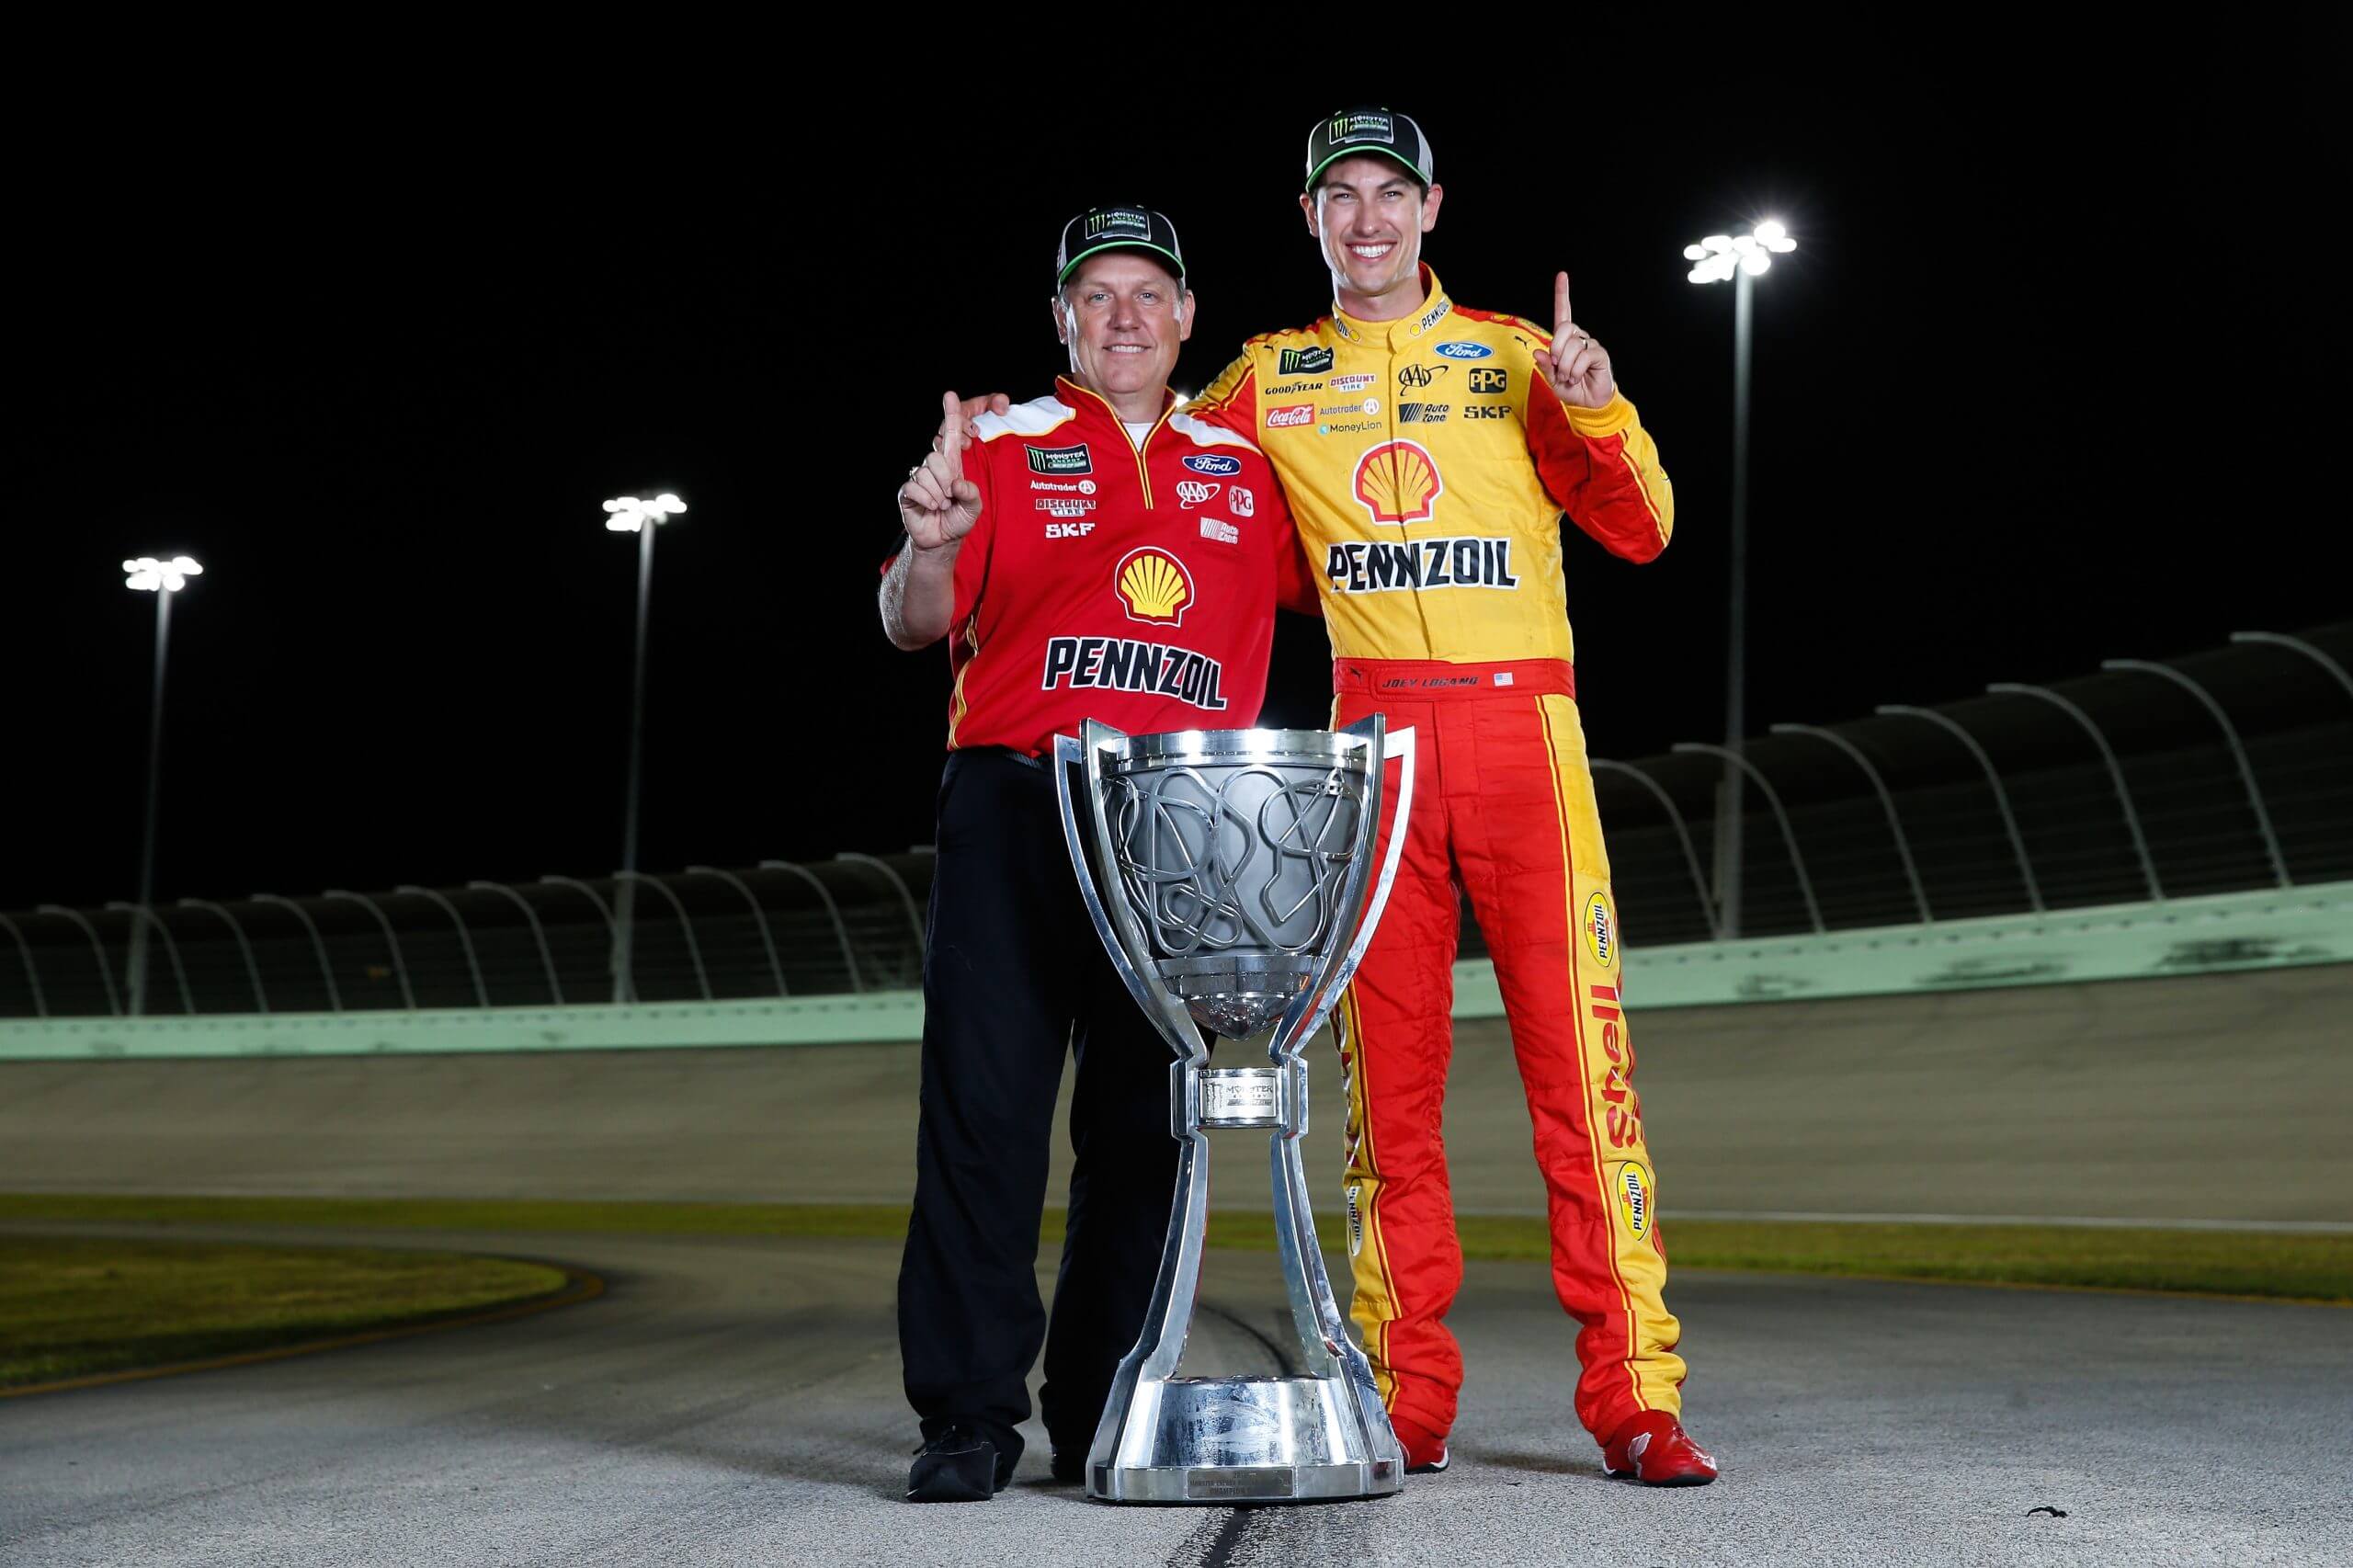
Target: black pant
x: 1013, y: 975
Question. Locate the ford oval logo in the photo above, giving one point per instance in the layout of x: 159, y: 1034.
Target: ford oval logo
x: 1461, y: 350
x: 1214, y: 465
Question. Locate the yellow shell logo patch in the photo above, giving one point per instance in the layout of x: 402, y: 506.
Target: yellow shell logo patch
x: 1631, y: 1184
x: 1398, y: 481
x: 1156, y: 586
x: 1601, y: 929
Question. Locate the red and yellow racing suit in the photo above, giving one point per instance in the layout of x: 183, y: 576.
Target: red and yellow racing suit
x: 1428, y: 463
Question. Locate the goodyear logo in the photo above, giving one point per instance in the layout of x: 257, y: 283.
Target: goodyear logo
x: 1398, y: 481
x: 1630, y: 1185
x: 1304, y: 362
x: 1215, y: 463
x: 1601, y: 929
x: 1155, y: 586
x: 1060, y: 459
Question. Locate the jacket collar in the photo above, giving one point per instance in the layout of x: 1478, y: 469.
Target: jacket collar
x: 1093, y: 406
x: 1406, y: 330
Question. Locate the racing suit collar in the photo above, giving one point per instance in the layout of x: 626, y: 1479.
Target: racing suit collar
x: 1405, y: 332
x: 1094, y: 406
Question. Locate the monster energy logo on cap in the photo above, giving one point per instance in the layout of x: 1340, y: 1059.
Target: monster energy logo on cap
x: 1377, y: 131
x: 1117, y: 228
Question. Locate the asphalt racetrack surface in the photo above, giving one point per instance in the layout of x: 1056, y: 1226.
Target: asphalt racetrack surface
x: 736, y: 1399
x: 737, y: 1402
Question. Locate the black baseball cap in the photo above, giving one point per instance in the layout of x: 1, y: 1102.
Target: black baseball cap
x: 1116, y: 228
x: 1356, y: 133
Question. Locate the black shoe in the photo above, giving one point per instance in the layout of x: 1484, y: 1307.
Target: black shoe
x: 1070, y: 1467
x: 959, y: 1466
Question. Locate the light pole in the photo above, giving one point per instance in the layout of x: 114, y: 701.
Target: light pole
x: 1739, y: 260
x: 162, y: 578
x: 628, y: 515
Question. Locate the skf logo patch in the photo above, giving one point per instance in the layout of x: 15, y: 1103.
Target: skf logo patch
x: 1398, y: 481
x: 1304, y: 362
x: 1196, y: 493
x: 1630, y: 1184
x: 1600, y: 923
x: 1155, y: 586
x: 1060, y: 459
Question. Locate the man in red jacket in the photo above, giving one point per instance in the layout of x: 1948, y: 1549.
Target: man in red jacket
x: 1095, y: 553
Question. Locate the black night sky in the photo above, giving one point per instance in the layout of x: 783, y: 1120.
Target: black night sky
x: 2056, y: 373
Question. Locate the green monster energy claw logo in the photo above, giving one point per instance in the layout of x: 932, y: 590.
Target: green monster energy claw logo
x: 1128, y: 222
x: 1346, y: 127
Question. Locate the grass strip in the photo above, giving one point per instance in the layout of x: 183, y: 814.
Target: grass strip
x: 2263, y: 1263
x: 72, y: 1306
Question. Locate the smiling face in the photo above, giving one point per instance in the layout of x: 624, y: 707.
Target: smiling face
x: 1124, y: 318
x: 1370, y: 215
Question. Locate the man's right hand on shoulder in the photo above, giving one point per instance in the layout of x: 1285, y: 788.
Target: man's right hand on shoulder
x: 938, y: 505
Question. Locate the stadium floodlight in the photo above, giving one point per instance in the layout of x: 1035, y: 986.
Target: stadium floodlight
x: 163, y: 578
x: 150, y: 575
x: 629, y: 513
x: 1739, y: 259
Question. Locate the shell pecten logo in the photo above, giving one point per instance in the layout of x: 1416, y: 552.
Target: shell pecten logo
x: 1155, y: 586
x: 1398, y: 481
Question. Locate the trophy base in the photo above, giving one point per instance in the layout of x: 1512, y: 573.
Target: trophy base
x: 1227, y: 1440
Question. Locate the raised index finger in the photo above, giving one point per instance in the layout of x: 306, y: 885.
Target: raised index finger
x: 951, y: 429
x: 1560, y: 322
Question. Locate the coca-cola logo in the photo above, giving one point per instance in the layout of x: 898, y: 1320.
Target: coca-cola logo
x: 1297, y: 413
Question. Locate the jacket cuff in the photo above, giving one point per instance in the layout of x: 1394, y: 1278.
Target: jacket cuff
x: 1607, y: 420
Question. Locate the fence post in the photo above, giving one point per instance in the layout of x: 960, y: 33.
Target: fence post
x: 759, y: 918
x: 1788, y: 837
x: 318, y: 944
x: 106, y: 974
x: 841, y: 927
x: 2115, y: 770
x: 685, y: 924
x: 1682, y: 833
x: 2230, y: 733
x: 1902, y: 846
x: 539, y: 933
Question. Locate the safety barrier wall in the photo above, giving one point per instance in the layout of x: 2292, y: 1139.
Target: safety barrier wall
x: 2267, y: 929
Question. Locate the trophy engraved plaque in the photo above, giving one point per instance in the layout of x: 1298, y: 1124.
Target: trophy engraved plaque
x: 1229, y: 875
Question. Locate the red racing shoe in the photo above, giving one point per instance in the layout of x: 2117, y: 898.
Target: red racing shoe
x: 1424, y: 1455
x: 1654, y: 1449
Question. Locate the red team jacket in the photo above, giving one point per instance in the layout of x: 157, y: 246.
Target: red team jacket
x: 1135, y: 585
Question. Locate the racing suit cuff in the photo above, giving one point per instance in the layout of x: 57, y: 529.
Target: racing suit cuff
x: 1607, y: 420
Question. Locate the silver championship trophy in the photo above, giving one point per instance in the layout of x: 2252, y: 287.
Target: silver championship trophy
x: 1229, y: 875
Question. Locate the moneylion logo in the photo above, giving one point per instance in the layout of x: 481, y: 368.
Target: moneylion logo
x: 1155, y: 586
x: 1398, y: 481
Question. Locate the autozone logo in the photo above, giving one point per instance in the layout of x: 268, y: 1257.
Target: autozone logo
x: 1285, y: 418
x: 1193, y: 493
x: 1388, y: 566
x: 1623, y: 1107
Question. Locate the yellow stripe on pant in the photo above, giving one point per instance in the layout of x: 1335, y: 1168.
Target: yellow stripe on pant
x: 1636, y: 1353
